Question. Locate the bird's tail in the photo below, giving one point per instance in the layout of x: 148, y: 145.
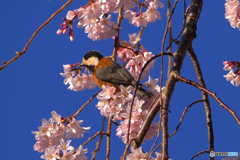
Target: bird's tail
x: 144, y: 93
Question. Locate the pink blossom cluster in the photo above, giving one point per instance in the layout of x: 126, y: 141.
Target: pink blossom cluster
x: 111, y: 103
x: 232, y: 76
x: 142, y: 19
x: 136, y: 64
x: 118, y: 104
x: 232, y: 8
x: 95, y: 20
x: 76, y: 81
x: 64, y: 152
x: 125, y: 54
x: 68, y: 22
x: 96, y: 15
x: 52, y: 135
x: 138, y: 154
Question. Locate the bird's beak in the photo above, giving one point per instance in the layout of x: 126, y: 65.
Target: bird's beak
x: 81, y: 65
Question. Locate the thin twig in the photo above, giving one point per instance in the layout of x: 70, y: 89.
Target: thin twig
x: 127, y: 48
x: 126, y: 151
x: 205, y: 97
x: 138, y: 79
x: 180, y: 122
x: 159, y: 128
x: 91, y: 138
x: 205, y: 151
x: 116, y: 43
x: 108, y: 137
x: 34, y: 34
x: 94, y: 153
x: 139, y: 35
x: 170, y: 37
x: 184, y: 22
x: 223, y: 105
x: 188, y: 35
x: 154, y: 101
x: 115, y: 123
x: 80, y: 110
x: 97, y: 134
x: 164, y: 111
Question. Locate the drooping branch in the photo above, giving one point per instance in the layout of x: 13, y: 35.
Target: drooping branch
x: 139, y: 35
x: 97, y: 134
x: 223, y: 105
x: 170, y: 36
x: 126, y: 150
x: 116, y: 42
x: 34, y: 34
x: 94, y: 153
x: 80, y: 110
x: 164, y: 110
x: 187, y: 37
x: 134, y: 93
x: 180, y: 122
x: 205, y: 151
x: 109, y: 136
x: 205, y: 97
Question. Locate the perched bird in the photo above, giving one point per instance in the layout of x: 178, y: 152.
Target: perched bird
x: 107, y: 72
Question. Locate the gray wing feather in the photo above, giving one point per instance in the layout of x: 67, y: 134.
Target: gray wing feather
x: 115, y: 74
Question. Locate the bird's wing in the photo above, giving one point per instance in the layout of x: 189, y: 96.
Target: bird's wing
x: 115, y: 74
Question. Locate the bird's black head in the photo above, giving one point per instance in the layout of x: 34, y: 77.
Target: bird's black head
x: 93, y: 54
x: 91, y: 59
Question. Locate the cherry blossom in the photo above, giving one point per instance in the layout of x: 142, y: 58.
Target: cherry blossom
x: 79, y: 82
x: 50, y: 153
x: 152, y: 14
x: 232, y: 8
x: 134, y: 38
x: 137, y: 154
x: 108, y: 6
x: 107, y: 91
x: 93, y: 10
x: 137, y: 62
x: 54, y: 132
x: 140, y: 20
x: 128, y: 4
x: 232, y: 76
x: 124, y: 54
x: 80, y: 153
x: 129, y: 14
x: 70, y: 15
x: 69, y: 75
x: 65, y: 145
x: 229, y: 65
x: 151, y: 84
x: 75, y: 130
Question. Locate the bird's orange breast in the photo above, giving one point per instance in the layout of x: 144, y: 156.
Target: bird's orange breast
x: 104, y: 62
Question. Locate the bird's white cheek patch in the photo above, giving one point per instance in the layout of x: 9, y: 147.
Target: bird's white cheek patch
x: 91, y: 61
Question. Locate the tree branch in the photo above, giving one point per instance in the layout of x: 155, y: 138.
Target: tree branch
x: 223, y: 105
x: 205, y: 151
x: 94, y: 153
x: 108, y: 137
x: 205, y: 97
x: 180, y: 122
x: 116, y: 43
x: 80, y: 110
x: 34, y: 34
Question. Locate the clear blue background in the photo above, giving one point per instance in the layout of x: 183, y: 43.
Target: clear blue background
x: 32, y: 87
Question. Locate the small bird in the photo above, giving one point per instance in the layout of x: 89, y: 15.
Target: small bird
x: 107, y: 72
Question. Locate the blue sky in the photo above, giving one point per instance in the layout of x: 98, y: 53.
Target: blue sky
x: 32, y: 87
